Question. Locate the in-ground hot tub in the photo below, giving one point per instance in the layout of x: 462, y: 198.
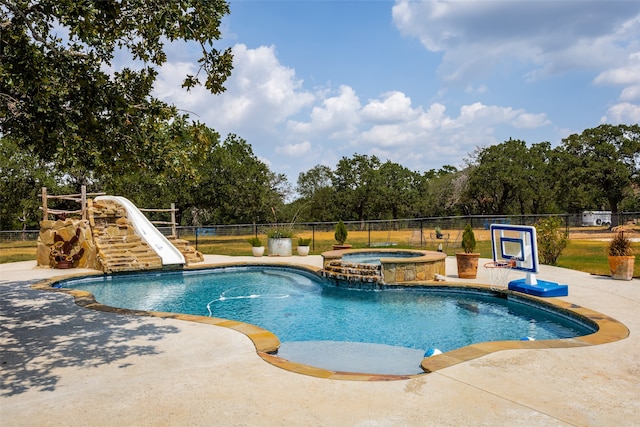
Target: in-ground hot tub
x: 383, y: 266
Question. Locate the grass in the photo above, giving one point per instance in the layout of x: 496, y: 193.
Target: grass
x: 591, y: 256
x: 22, y: 250
x: 582, y: 255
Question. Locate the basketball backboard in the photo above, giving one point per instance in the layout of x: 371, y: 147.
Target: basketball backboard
x: 515, y: 244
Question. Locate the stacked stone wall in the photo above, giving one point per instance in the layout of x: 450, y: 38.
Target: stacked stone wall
x: 77, y: 233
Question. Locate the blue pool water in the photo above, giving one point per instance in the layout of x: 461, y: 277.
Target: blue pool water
x: 301, y: 309
x: 374, y: 257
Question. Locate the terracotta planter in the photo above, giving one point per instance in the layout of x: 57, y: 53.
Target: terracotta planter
x: 64, y: 264
x: 340, y: 247
x: 257, y: 251
x: 467, y: 265
x: 621, y: 267
x: 303, y: 250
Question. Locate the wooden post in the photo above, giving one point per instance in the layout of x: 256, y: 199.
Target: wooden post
x: 83, y: 201
x: 173, y: 219
x: 45, y: 213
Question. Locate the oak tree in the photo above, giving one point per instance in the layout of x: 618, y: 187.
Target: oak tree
x: 59, y: 98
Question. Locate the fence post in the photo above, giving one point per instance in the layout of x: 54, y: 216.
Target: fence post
x: 45, y: 212
x: 83, y: 201
x: 173, y: 220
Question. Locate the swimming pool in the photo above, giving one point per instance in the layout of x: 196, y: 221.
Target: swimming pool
x: 300, y: 307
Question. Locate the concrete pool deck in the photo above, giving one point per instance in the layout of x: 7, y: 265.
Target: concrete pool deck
x: 62, y: 364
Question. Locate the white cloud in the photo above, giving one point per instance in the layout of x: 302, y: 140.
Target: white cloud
x: 292, y: 129
x: 389, y: 136
x: 338, y: 116
x: 440, y: 138
x: 622, y: 113
x: 628, y: 74
x: 260, y: 92
x: 545, y: 36
x: 394, y: 107
x: 530, y: 121
x: 631, y: 93
x: 294, y: 150
x: 624, y: 75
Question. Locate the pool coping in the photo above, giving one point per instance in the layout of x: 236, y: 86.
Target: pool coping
x: 266, y: 343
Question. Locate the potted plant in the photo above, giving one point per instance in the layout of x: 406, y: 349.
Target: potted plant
x: 340, y: 235
x: 303, y: 246
x: 621, y: 258
x: 438, y: 233
x: 256, y: 246
x: 279, y: 237
x: 279, y: 242
x: 468, y: 260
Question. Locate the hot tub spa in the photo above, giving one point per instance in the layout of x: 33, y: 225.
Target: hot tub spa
x: 384, y: 266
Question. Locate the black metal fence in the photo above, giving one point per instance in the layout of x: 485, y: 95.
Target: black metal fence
x: 415, y: 232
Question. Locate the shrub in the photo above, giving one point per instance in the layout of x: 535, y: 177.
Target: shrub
x: 620, y: 245
x: 552, y: 239
x: 255, y: 242
x: 303, y: 242
x: 468, y: 239
x: 341, y: 233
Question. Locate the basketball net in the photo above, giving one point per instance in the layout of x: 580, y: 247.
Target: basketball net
x: 499, y: 274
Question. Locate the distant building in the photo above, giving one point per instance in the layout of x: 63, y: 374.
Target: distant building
x: 592, y: 218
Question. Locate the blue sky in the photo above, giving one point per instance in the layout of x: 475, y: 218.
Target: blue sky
x: 422, y: 84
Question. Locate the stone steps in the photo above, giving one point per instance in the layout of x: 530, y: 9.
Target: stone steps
x: 191, y: 256
x: 119, y: 247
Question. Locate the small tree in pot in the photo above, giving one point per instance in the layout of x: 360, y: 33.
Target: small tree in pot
x: 468, y: 260
x: 341, y: 236
x: 621, y: 258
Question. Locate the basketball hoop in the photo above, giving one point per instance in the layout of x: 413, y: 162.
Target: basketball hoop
x: 499, y: 274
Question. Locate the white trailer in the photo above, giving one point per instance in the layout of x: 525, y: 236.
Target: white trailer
x: 594, y: 218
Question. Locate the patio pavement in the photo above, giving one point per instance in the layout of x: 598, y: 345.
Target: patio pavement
x: 64, y: 365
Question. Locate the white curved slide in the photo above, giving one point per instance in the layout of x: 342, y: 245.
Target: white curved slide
x: 169, y: 254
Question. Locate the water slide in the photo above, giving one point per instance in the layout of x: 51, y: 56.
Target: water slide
x: 148, y: 232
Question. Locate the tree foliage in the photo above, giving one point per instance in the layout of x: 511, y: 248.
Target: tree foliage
x: 235, y: 186
x: 605, y: 161
x: 499, y: 177
x: 22, y: 176
x: 398, y: 191
x: 355, y: 182
x: 60, y: 102
x: 552, y: 239
x: 223, y: 182
x: 316, y: 191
